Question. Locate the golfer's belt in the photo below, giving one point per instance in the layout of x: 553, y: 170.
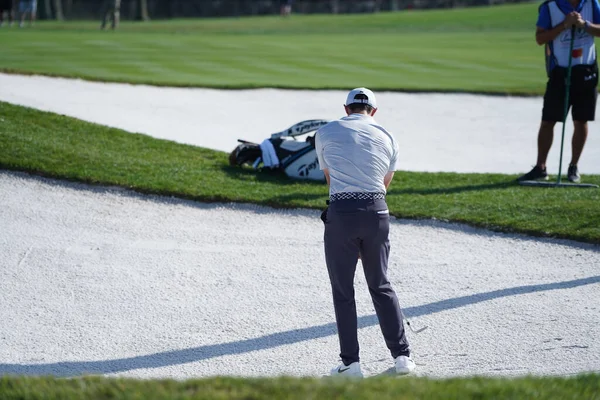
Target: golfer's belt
x: 356, y: 196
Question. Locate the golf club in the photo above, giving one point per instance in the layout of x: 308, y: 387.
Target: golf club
x: 566, y: 108
x: 410, y: 326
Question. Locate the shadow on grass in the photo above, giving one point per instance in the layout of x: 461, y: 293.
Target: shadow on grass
x: 168, y: 196
x: 455, y: 189
x: 266, y: 175
x: 177, y: 357
x: 279, y: 178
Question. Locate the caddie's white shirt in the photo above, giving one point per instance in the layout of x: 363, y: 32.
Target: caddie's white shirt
x: 584, y: 51
x: 553, y: 13
x: 358, y: 152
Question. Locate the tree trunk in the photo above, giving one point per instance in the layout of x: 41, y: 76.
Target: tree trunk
x: 68, y: 8
x: 144, y: 10
x: 47, y: 9
x: 58, y: 12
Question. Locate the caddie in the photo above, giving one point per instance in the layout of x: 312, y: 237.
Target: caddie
x: 555, y: 24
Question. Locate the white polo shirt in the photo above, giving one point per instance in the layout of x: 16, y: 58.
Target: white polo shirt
x: 358, y: 152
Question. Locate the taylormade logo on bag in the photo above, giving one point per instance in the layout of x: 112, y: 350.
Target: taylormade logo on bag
x: 309, y: 126
x: 305, y: 169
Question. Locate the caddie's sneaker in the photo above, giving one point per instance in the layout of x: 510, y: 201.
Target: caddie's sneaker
x: 349, y: 371
x: 535, y: 174
x: 573, y: 174
x: 404, y: 365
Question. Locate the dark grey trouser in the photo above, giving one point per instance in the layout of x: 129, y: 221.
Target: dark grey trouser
x: 353, y: 227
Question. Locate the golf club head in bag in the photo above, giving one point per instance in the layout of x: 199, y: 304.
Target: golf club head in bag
x: 245, y: 153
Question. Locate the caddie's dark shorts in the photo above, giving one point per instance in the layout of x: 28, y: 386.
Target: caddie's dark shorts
x: 582, y: 96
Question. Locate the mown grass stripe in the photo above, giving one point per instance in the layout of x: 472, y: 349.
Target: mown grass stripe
x: 467, y: 50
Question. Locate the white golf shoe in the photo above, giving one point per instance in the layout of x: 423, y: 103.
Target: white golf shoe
x: 347, y: 371
x: 404, y: 365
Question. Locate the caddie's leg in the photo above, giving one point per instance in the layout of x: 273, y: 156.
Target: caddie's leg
x: 545, y: 138
x: 585, y: 95
x: 552, y: 112
x: 375, y: 249
x: 341, y: 256
x: 580, y: 135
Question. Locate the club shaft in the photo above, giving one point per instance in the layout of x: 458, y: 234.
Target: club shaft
x: 566, y: 108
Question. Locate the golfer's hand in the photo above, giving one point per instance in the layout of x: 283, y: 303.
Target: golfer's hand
x: 571, y: 19
x: 324, y: 215
x: 580, y: 23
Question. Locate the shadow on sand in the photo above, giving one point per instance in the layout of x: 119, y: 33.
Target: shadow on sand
x: 176, y: 357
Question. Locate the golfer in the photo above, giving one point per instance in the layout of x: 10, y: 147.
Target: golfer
x: 359, y: 157
x: 555, y: 21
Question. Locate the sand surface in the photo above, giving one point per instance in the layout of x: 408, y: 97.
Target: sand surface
x: 106, y: 281
x: 98, y: 280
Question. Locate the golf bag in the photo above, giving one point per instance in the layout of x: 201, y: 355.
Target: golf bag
x: 283, y: 152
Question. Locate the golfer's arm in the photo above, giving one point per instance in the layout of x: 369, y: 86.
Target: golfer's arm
x: 593, y: 29
x: 543, y: 36
x: 387, y: 179
x: 326, y: 172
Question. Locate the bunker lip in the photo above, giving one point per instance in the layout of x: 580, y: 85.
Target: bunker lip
x: 11, y: 71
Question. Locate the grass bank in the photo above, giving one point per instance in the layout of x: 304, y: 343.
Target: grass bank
x: 380, y: 388
x: 482, y: 50
x: 66, y: 148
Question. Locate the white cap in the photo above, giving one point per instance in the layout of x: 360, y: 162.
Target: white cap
x: 370, y: 100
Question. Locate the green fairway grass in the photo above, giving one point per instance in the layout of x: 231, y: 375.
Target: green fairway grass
x: 380, y: 388
x: 483, y: 50
x: 62, y: 147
